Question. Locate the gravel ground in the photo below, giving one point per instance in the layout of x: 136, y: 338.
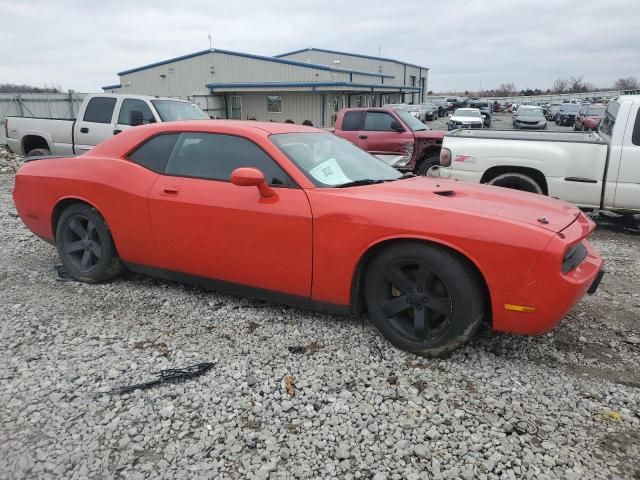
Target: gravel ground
x: 297, y: 394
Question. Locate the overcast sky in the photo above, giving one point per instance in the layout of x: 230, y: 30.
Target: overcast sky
x: 467, y: 44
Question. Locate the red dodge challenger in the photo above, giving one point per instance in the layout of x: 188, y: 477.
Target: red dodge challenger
x: 296, y: 215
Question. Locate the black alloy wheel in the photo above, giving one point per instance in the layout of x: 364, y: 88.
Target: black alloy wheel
x: 423, y: 298
x: 414, y: 300
x: 85, y: 245
x: 81, y: 242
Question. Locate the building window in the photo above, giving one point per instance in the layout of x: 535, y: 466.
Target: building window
x: 274, y: 104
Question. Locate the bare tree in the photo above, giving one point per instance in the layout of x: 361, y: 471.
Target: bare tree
x: 506, y: 90
x: 560, y: 85
x: 629, y: 83
x: 576, y: 84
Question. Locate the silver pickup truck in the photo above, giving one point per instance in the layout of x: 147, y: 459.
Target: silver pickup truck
x: 100, y: 117
x: 597, y: 170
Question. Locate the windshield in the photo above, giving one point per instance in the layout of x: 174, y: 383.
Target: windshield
x: 480, y: 105
x: 412, y: 108
x: 531, y: 113
x: 174, y: 110
x: 570, y: 108
x: 465, y: 112
x: 595, y: 111
x: 329, y: 161
x: 412, y: 122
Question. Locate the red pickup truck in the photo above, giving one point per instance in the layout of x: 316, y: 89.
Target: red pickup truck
x: 394, y: 136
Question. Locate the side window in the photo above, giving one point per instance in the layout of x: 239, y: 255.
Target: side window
x: 214, y: 157
x: 135, y: 112
x: 378, y: 121
x: 351, y: 121
x: 154, y: 153
x: 635, y: 136
x: 99, y: 110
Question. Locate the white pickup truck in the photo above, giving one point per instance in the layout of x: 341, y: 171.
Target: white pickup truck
x: 100, y: 117
x: 597, y: 170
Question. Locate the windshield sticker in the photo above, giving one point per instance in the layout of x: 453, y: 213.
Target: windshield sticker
x: 329, y: 173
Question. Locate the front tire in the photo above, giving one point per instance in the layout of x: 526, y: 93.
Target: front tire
x: 428, y: 162
x: 85, y: 245
x: 517, y: 181
x: 424, y: 299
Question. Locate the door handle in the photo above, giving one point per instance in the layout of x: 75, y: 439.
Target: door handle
x: 170, y: 190
x: 116, y: 131
x: 84, y: 130
x: 362, y: 137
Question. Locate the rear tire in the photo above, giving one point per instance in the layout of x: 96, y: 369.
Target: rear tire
x: 424, y: 299
x: 39, y: 152
x: 85, y: 245
x: 517, y: 181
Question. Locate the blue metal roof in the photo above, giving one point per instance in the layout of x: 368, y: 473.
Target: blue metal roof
x: 370, y: 57
x: 111, y: 87
x: 241, y: 85
x: 255, y: 57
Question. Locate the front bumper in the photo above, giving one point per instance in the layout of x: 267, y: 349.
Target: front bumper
x: 552, y: 293
x: 526, y: 126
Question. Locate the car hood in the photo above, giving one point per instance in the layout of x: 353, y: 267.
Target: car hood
x: 437, y: 134
x: 460, y: 119
x: 539, y: 210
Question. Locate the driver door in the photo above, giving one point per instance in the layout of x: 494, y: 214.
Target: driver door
x: 134, y: 112
x: 380, y: 139
x: 208, y: 227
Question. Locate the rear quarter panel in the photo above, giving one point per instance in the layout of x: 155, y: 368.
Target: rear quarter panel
x: 116, y: 188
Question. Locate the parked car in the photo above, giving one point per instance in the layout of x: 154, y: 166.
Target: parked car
x: 552, y: 111
x: 101, y: 116
x: 566, y: 116
x: 465, y: 118
x: 485, y: 110
x: 397, y: 106
x: 394, y: 136
x: 592, y: 170
x: 530, y: 118
x: 339, y: 230
x: 430, y: 111
x: 456, y: 102
x: 443, y: 106
x: 589, y: 117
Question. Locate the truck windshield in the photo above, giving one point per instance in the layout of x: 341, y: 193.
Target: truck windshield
x: 329, y: 161
x: 174, y: 110
x: 412, y: 122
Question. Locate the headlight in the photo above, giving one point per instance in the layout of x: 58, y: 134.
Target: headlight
x: 445, y: 157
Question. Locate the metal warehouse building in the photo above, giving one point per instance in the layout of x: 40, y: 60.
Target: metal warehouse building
x: 310, y: 84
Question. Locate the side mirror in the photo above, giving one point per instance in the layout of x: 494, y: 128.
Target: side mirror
x: 395, y: 125
x: 251, y: 177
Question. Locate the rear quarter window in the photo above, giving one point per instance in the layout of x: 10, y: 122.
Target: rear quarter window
x: 99, y: 110
x: 155, y: 152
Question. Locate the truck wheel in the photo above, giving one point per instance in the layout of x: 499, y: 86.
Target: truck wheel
x: 423, y: 298
x: 39, y: 152
x: 428, y: 162
x: 517, y: 181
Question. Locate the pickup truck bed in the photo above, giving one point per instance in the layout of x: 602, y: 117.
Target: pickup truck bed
x: 594, y: 170
x: 531, y: 135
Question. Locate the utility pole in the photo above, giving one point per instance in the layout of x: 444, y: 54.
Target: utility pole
x: 210, y: 42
